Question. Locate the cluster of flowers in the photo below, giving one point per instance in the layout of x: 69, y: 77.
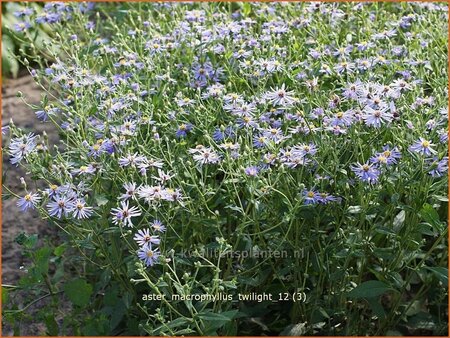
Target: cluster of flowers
x: 53, y: 12
x: 146, y: 251
x: 270, y: 110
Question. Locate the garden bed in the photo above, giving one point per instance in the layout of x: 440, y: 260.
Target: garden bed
x: 238, y: 169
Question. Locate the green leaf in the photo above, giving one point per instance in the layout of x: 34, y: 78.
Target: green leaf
x: 59, y: 250
x: 9, y: 62
x: 31, y: 241
x: 430, y: 215
x: 5, y: 295
x: 118, y: 312
x: 101, y: 200
x: 78, y: 291
x: 247, y: 8
x: 42, y: 257
x: 369, y: 289
x: 399, y: 219
x: 179, y: 322
x: 441, y: 198
x: 441, y: 273
x: 376, y: 307
x: 214, y: 321
x: 52, y: 326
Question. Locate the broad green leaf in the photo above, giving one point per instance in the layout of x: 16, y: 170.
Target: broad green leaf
x: 42, y: 257
x: 52, y: 325
x: 376, y: 307
x: 78, y: 291
x: 430, y: 215
x: 101, y: 200
x: 441, y: 273
x: 59, y: 250
x: 369, y: 289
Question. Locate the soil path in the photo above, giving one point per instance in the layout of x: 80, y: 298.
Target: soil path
x: 15, y: 221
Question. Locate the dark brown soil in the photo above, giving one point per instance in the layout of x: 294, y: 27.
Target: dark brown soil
x: 15, y: 221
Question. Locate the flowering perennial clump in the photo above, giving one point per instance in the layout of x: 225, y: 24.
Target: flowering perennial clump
x: 247, y: 126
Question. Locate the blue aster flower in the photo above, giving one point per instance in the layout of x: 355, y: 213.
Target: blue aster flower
x: 29, y: 201
x: 310, y: 196
x: 60, y: 206
x: 366, y: 172
x: 423, y: 146
x: 148, y: 255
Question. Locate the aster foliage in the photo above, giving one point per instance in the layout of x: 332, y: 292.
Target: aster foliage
x: 315, y: 130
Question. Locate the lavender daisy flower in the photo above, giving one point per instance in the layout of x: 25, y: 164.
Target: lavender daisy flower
x: 23, y: 12
x: 273, y: 134
x: 130, y: 189
x: 81, y: 211
x: 438, y: 168
x: 131, y: 160
x: 124, y: 214
x: 183, y: 129
x: 172, y: 195
x: 96, y: 150
x: 280, y: 97
x: 366, y: 172
x: 205, y: 155
x: 379, y: 159
x: 162, y: 177
x: 84, y: 170
x: 143, y: 238
x: 61, y: 205
x: 148, y: 255
x: 252, y: 171
x: 21, y: 26
x: 387, y: 156
x: 325, y: 198
x: 353, y: 90
x: 260, y: 141
x: 22, y: 146
x: 268, y: 160
x: 218, y: 135
x: 158, y: 226
x: 304, y: 149
x: 247, y: 121
x: 150, y: 193
x: 310, y: 196
x: 340, y: 119
x: 375, y: 117
x: 29, y: 201
x: 295, y: 160
x: 443, y: 136
x: 423, y: 147
x: 230, y: 146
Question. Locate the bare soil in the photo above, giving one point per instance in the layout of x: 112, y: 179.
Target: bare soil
x: 15, y: 221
